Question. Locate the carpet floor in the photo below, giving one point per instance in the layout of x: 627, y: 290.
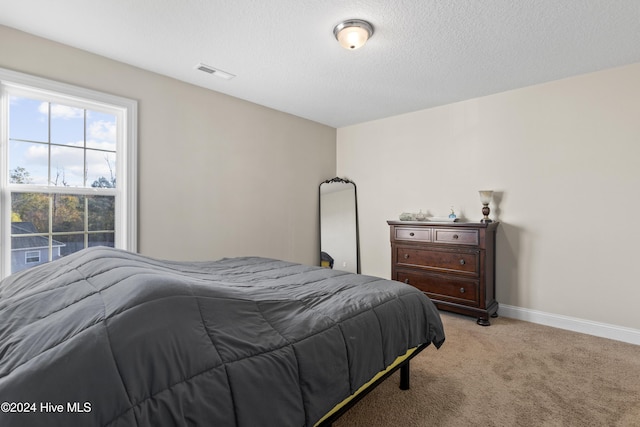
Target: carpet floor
x: 512, y: 373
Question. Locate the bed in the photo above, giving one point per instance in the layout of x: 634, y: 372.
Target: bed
x: 105, y: 337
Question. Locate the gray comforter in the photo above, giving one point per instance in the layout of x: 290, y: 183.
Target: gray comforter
x: 109, y: 338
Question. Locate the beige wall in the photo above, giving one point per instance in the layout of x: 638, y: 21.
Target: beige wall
x: 564, y: 158
x: 218, y: 176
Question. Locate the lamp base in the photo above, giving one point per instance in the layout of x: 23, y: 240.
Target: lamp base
x: 485, y: 212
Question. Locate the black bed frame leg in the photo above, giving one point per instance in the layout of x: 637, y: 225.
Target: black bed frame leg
x: 404, y: 376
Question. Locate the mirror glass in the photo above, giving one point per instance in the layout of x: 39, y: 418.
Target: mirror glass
x: 339, y: 225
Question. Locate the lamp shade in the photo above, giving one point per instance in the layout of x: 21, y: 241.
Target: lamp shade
x: 485, y: 196
x: 353, y: 34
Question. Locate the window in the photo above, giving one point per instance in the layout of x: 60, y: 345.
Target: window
x: 67, y: 170
x: 31, y: 257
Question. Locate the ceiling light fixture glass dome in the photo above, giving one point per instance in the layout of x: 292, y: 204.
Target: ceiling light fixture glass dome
x: 353, y: 34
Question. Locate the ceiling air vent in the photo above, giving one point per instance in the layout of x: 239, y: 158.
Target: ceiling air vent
x: 216, y: 72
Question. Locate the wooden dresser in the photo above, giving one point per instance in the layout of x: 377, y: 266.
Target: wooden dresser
x: 452, y: 263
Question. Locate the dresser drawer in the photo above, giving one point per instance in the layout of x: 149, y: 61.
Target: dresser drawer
x: 459, y: 237
x: 466, y: 262
x: 413, y: 234
x: 442, y: 288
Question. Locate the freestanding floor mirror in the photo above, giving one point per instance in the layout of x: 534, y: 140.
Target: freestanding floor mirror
x: 339, y: 241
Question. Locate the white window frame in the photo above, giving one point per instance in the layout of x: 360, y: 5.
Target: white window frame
x: 30, y: 254
x: 126, y: 230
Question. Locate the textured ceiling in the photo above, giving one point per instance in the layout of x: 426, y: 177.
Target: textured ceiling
x: 424, y: 53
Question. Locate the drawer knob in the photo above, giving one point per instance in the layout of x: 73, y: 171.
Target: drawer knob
x: 406, y: 281
x: 455, y: 237
x: 462, y: 262
x: 412, y: 234
x: 406, y: 256
x: 462, y: 290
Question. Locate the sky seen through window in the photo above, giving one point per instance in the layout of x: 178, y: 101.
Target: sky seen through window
x: 33, y: 124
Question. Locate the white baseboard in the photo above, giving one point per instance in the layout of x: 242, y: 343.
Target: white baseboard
x: 604, y: 330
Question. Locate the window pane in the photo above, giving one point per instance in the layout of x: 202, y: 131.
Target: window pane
x: 28, y: 119
x: 28, y: 163
x: 101, y: 169
x: 68, y: 213
x: 27, y: 248
x: 67, y: 125
x: 31, y: 245
x: 67, y: 166
x: 29, y: 213
x: 101, y: 131
x: 102, y: 239
x: 102, y: 213
x: 68, y: 243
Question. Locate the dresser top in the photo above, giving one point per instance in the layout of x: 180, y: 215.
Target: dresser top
x: 456, y: 224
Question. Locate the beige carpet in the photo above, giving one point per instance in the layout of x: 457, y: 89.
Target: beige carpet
x: 512, y: 373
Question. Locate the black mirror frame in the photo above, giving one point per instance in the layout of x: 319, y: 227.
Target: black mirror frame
x: 355, y: 196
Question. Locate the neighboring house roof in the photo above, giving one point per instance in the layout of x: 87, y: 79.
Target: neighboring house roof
x: 29, y: 242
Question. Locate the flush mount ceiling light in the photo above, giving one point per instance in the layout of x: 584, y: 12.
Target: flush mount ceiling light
x: 353, y: 33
